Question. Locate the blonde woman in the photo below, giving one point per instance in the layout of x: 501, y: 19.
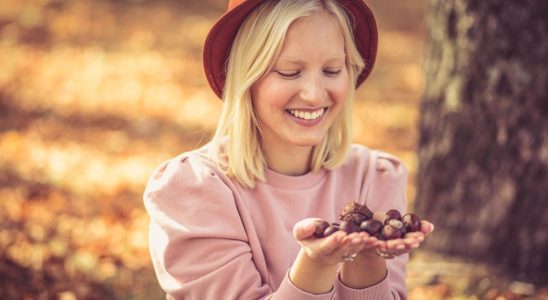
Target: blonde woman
x: 234, y: 219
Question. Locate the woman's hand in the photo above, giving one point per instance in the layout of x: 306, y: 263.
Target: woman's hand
x: 392, y: 248
x: 333, y: 249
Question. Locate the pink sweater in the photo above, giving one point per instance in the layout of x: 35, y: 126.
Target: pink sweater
x: 210, y: 238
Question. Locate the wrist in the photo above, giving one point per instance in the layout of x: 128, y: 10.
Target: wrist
x: 366, y: 270
x: 312, y: 276
x: 368, y: 259
x: 369, y: 254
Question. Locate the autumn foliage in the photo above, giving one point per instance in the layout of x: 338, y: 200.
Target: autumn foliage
x: 94, y: 94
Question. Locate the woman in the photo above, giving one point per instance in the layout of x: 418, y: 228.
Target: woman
x: 235, y: 218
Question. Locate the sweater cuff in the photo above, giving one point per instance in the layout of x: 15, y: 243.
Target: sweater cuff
x: 380, y: 290
x: 288, y: 290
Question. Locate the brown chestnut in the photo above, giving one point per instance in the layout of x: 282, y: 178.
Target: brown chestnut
x: 412, y: 222
x: 392, y: 214
x: 398, y: 224
x: 371, y: 226
x: 334, y: 227
x: 358, y: 217
x: 390, y: 232
x: 379, y: 216
x: 356, y: 212
x: 354, y: 217
x: 350, y: 227
x: 321, y: 226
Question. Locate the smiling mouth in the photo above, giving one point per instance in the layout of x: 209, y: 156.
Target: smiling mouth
x: 307, y: 115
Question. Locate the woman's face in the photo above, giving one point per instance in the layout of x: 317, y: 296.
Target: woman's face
x: 300, y: 97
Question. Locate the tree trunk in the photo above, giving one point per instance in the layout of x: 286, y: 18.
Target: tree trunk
x: 483, y: 151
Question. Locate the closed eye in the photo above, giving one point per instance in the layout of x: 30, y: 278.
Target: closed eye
x: 288, y: 75
x: 330, y: 72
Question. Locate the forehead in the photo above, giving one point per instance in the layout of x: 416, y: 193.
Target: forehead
x: 316, y: 36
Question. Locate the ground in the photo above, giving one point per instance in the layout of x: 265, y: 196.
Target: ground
x: 95, y: 94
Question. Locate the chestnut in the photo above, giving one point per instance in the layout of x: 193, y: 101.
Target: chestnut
x: 412, y: 222
x: 333, y: 227
x: 390, y: 232
x: 387, y: 225
x: 354, y: 217
x: 371, y: 226
x: 350, y: 226
x: 321, y: 226
x: 356, y: 212
x: 379, y: 216
x: 392, y: 214
x: 398, y: 224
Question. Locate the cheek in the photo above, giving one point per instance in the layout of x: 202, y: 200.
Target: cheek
x: 270, y: 94
x: 341, y: 90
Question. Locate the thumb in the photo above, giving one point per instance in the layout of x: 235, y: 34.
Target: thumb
x: 304, y: 228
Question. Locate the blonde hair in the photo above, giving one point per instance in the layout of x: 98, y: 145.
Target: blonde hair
x: 255, y: 49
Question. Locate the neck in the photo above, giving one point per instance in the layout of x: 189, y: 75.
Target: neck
x: 292, y: 161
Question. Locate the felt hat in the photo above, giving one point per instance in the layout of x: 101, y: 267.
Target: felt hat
x: 219, y: 39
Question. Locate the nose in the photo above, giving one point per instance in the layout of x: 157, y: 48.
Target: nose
x: 313, y: 89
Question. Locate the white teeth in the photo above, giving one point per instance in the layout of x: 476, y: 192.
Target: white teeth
x: 307, y: 115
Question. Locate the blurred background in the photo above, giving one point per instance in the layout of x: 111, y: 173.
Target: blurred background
x: 94, y: 94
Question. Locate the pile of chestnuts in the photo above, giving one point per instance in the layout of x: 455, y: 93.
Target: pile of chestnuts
x: 356, y: 217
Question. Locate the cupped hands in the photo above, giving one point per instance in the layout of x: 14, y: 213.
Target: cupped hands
x: 340, y: 246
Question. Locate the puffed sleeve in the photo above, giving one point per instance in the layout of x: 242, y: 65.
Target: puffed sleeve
x: 198, y: 242
x: 389, y: 183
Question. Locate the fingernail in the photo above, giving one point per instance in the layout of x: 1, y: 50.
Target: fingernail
x: 400, y: 247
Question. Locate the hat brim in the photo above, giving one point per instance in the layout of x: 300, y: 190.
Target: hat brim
x: 219, y: 39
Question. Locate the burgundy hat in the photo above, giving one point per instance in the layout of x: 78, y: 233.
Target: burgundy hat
x: 219, y: 40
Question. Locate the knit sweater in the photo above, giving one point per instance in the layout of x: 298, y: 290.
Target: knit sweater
x: 211, y: 238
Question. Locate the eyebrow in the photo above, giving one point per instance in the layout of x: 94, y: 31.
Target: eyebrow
x: 302, y: 62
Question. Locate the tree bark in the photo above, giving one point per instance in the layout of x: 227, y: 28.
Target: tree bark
x: 483, y: 150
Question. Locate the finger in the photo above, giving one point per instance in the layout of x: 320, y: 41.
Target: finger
x: 409, y: 242
x: 402, y: 245
x: 304, y: 228
x: 332, y: 243
x: 382, y: 246
x: 371, y: 242
x: 351, y: 244
x: 359, y: 241
x: 414, y: 246
x: 426, y: 227
x: 414, y: 237
x: 412, y: 243
x: 352, y: 240
x: 395, y: 244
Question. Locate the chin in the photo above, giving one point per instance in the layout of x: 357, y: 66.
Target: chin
x: 308, y: 142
